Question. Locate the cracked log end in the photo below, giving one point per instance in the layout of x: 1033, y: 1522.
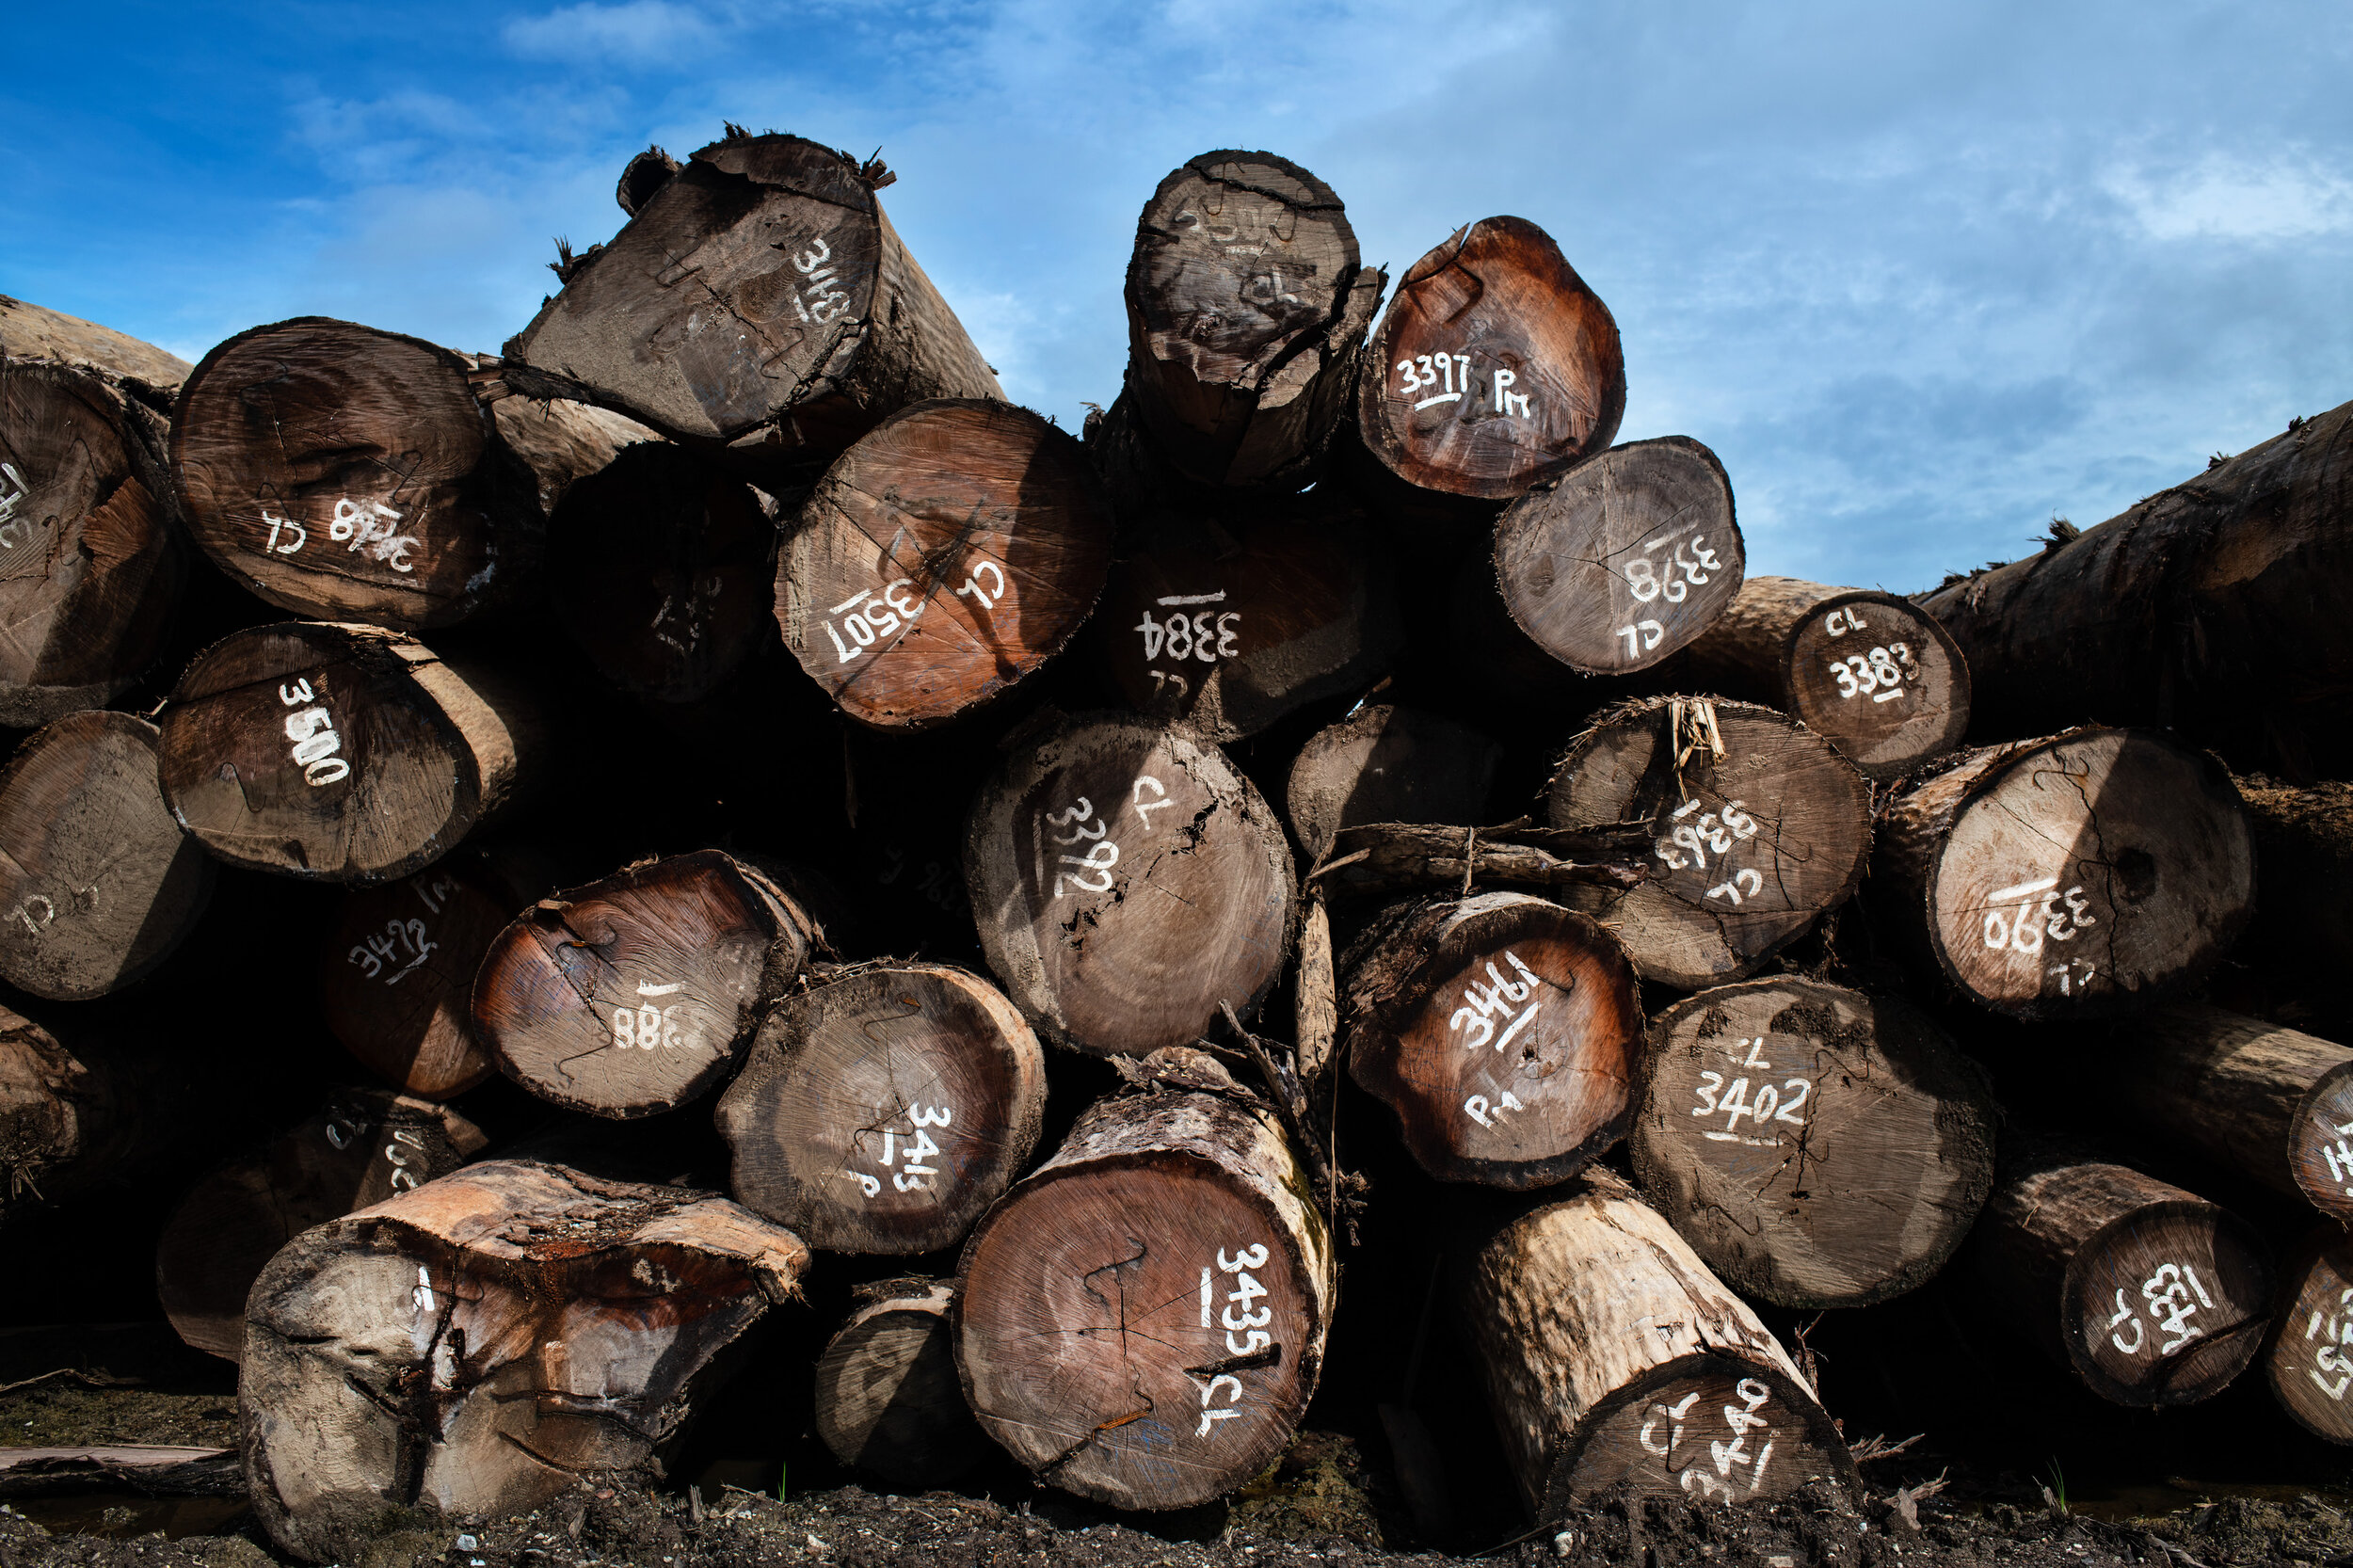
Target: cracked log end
x: 2306, y: 1358
x: 888, y: 1400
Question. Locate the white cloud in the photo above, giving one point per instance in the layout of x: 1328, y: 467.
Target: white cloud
x: 653, y: 31
x: 2226, y: 197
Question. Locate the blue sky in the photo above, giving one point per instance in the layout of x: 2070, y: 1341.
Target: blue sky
x: 1922, y: 276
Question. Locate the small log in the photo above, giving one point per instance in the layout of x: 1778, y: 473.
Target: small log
x: 1613, y: 1357
x: 1625, y: 560
x: 1126, y: 881
x: 883, y: 1108
x: 1388, y: 860
x: 2303, y: 861
x: 1246, y: 307
x: 1758, y: 829
x: 1873, y: 674
x: 1818, y: 1147
x: 1385, y: 764
x: 888, y: 1400
x: 1142, y: 1321
x: 2069, y: 878
x: 2309, y: 1355
x: 477, y: 1346
x: 99, y: 881
x: 364, y: 1147
x: 639, y: 992
x: 950, y: 552
x: 29, y: 331
x: 1502, y: 1030
x: 66, y: 1115
x: 340, y: 753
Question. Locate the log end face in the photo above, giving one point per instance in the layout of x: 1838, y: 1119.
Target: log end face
x: 2166, y: 1303
x: 2320, y: 1151
x: 1880, y: 679
x: 1711, y: 1428
x: 2306, y: 1357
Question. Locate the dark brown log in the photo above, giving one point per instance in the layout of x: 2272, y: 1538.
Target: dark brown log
x: 66, y: 1115
x: 1142, y: 1320
x: 946, y: 555
x: 29, y: 331
x: 340, y: 753
x: 364, y: 1147
x: 1390, y: 859
x: 98, y: 880
x: 2069, y: 878
x: 1385, y: 764
x: 1611, y: 1356
x: 2308, y: 1356
x: 759, y: 301
x: 1126, y: 880
x: 1873, y: 674
x: 1246, y: 307
x: 639, y: 993
x: 1625, y: 559
x: 1758, y: 828
x: 883, y: 1108
x: 474, y: 1346
x: 1818, y: 1147
x: 888, y: 1400
x: 2303, y: 863
x: 2151, y: 1294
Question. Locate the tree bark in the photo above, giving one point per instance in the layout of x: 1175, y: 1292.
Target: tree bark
x: 1142, y: 1321
x: 883, y: 1108
x: 474, y: 1346
x: 1611, y: 1358
x: 1873, y: 674
x: 639, y: 993
x: 1386, y: 764
x: 1759, y: 829
x: 1867, y: 1148
x: 2308, y: 1354
x: 2070, y: 877
x: 29, y: 331
x: 340, y: 753
x: 998, y: 541
x: 1126, y: 880
x: 888, y: 1400
x: 1502, y: 1030
x: 98, y: 881
x: 1395, y: 859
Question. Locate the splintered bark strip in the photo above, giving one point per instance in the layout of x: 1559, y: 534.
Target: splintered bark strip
x: 476, y: 1346
x: 2069, y: 878
x: 1142, y: 1321
x: 1625, y: 559
x: 950, y: 552
x: 1502, y: 1030
x: 1613, y: 1357
x: 1751, y: 845
x: 2309, y: 1357
x: 639, y: 993
x: 1389, y: 859
x: 99, y: 882
x: 888, y: 1400
x: 1387, y: 764
x: 1818, y: 1147
x: 1316, y: 1005
x: 338, y: 753
x: 1247, y: 305
x: 363, y: 1147
x: 883, y: 1110
x: 758, y: 299
x: 1126, y: 881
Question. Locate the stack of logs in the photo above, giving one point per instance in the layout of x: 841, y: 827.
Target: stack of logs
x: 1344, y: 715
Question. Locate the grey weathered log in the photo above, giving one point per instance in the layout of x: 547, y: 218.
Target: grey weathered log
x: 1387, y: 764
x: 888, y: 1399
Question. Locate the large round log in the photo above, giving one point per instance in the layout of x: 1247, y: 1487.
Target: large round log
x: 340, y: 753
x: 2309, y: 1355
x: 1126, y: 880
x: 1502, y: 1030
x: 2069, y: 878
x: 1759, y: 827
x: 476, y: 1346
x: 888, y: 1400
x: 1142, y: 1320
x: 1385, y: 764
x: 1818, y: 1147
x: 1611, y: 1358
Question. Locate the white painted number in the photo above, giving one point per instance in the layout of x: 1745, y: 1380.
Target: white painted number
x: 13, y: 489
x: 313, y: 732
x: 649, y: 1025
x: 821, y: 298
x: 1252, y: 1324
x: 2166, y: 1298
x: 1204, y: 635
x: 1497, y: 1000
x: 1733, y: 1103
x: 2021, y: 919
x: 870, y: 617
x: 1875, y: 673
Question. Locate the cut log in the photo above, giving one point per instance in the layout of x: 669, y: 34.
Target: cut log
x: 1246, y: 307
x: 949, y: 553
x: 66, y: 1115
x: 1126, y: 880
x: 1502, y: 1030
x: 2069, y: 878
x: 476, y: 1346
x: 99, y: 881
x: 1142, y: 1320
x: 1385, y: 764
x: 1758, y: 828
x: 883, y: 1108
x: 29, y: 331
x: 757, y: 300
x: 639, y: 993
x: 1625, y: 560
x: 888, y: 1400
x: 2151, y: 1294
x: 2309, y: 1357
x: 364, y: 1147
x: 1818, y: 1147
x: 1494, y: 369
x: 2303, y: 862
x: 340, y: 753
x: 1611, y: 1358
x: 1873, y: 674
